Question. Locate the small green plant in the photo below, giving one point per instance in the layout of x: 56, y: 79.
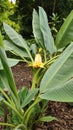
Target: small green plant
x: 54, y: 22
x: 52, y: 74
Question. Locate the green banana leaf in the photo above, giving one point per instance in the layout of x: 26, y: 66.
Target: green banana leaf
x: 45, y: 29
x: 11, y: 62
x: 16, y: 38
x: 65, y: 34
x: 36, y: 29
x: 42, y: 32
x: 9, y: 46
x: 62, y: 93
x: 54, y: 85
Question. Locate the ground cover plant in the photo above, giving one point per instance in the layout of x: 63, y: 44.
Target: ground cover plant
x: 52, y: 71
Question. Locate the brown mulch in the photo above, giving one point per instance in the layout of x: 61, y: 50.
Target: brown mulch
x: 63, y: 111
x: 22, y: 75
x: 64, y: 114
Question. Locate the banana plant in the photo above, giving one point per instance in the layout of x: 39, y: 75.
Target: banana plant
x: 56, y: 85
x: 53, y: 74
x: 44, y: 41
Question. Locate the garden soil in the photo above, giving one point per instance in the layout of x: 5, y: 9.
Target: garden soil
x: 63, y: 111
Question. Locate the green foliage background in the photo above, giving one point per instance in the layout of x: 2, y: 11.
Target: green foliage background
x: 7, y: 13
x: 19, y: 16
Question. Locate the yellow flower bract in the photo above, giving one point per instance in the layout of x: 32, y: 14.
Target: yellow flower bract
x: 37, y: 62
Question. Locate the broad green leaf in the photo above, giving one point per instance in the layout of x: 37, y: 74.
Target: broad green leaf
x: 65, y: 34
x: 62, y: 93
x: 16, y: 38
x: 59, y: 72
x: 45, y: 29
x: 9, y: 46
x: 47, y: 119
x: 23, y: 93
x: 11, y: 62
x: 36, y: 28
x: 29, y: 97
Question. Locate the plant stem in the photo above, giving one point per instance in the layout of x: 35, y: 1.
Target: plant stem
x: 6, y: 96
x: 45, y: 56
x: 10, y: 102
x: 52, y: 60
x: 5, y: 115
x: 23, y: 58
x: 30, y: 55
x: 14, y: 109
x: 34, y: 81
x: 6, y: 124
x: 29, y: 110
x: 21, y: 126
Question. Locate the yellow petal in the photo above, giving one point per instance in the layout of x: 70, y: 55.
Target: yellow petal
x: 38, y: 58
